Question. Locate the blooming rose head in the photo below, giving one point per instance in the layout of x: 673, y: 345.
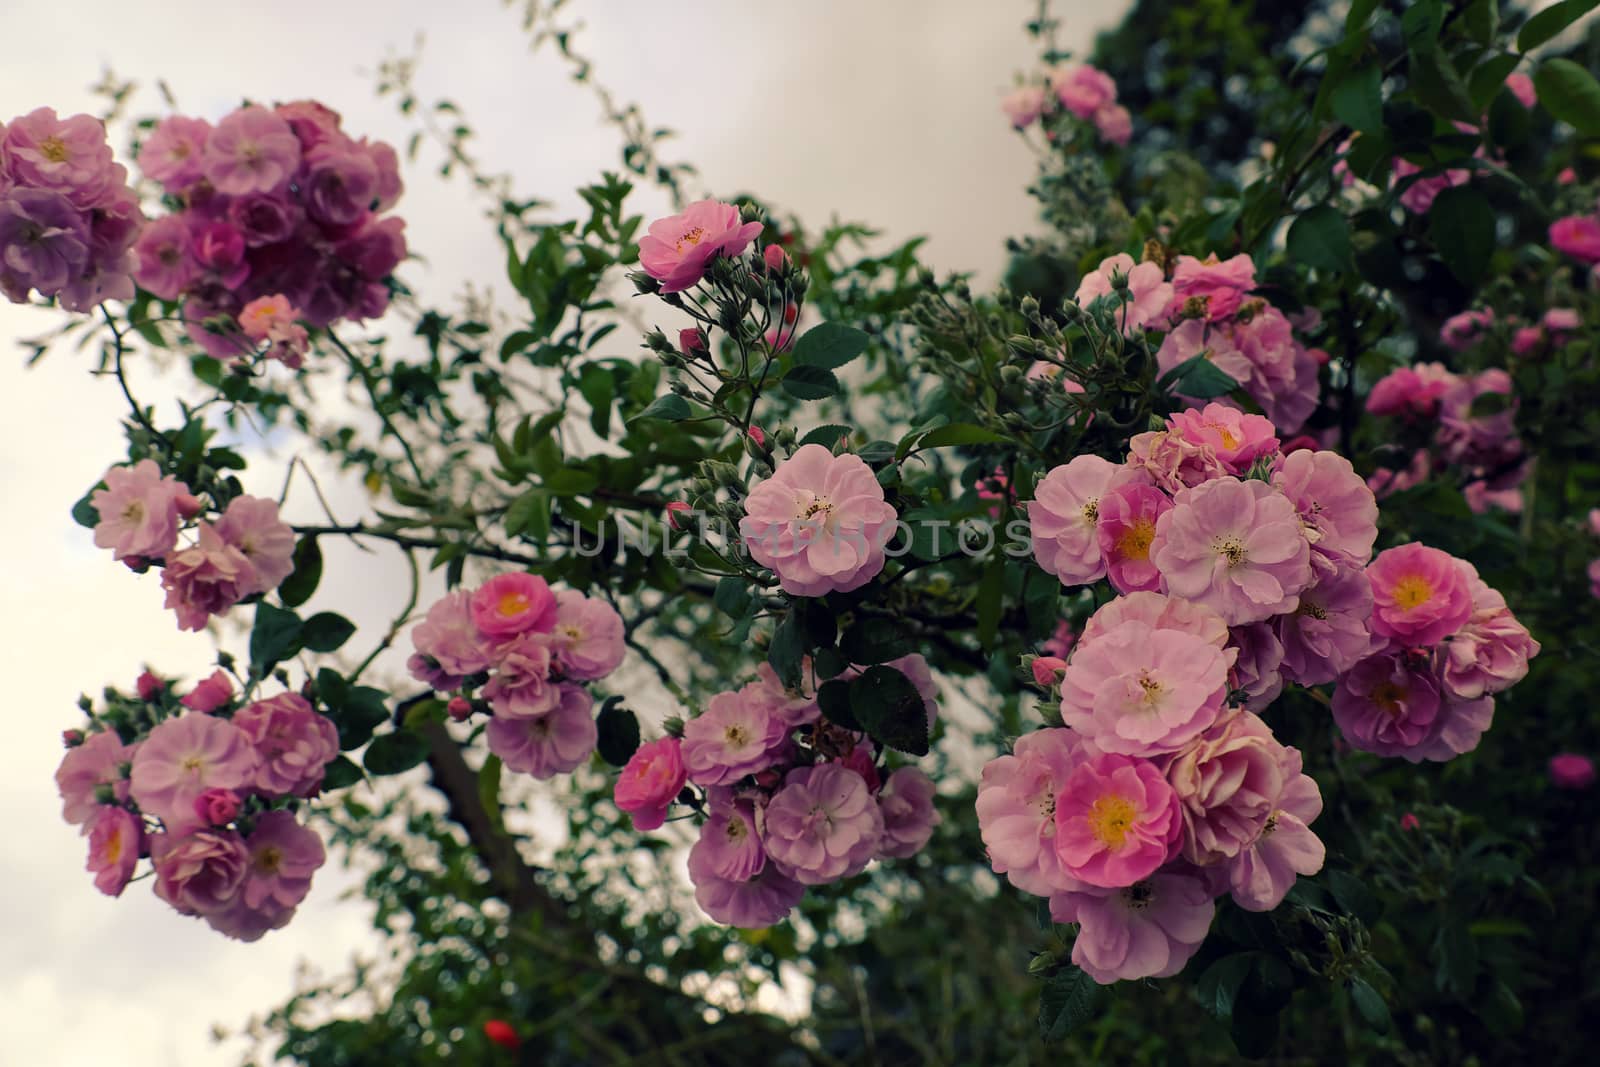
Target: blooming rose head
x: 283, y: 856
x: 729, y: 846
x: 1126, y: 526
x: 1327, y: 633
x: 1577, y: 236
x: 340, y: 183
x: 1023, y: 105
x: 1114, y: 123
x: 199, y: 873
x: 115, y: 837
x: 522, y: 686
x: 819, y: 522
x: 1568, y: 770
x: 206, y: 580
x: 1017, y: 809
x: 1257, y: 670
x: 651, y: 781
x: 68, y: 156
x: 1064, y: 516
x: 138, y: 511
x: 44, y: 240
x: 510, y: 604
x: 1420, y: 595
x: 1228, y: 782
x: 166, y: 262
x: 1148, y: 292
x: 906, y: 801
x: 823, y: 824
x: 217, y: 807
x: 1337, y: 509
x: 1159, y: 613
x: 294, y: 744
x: 736, y: 736
x: 1117, y: 821
x: 250, y: 151
x: 1490, y: 653
x: 677, y: 250
x: 1146, y: 930
x: 758, y: 902
x: 1221, y: 285
x: 588, y: 636
x: 171, y: 154
x: 1261, y: 874
x: 184, y: 757
x: 1410, y: 391
x: 92, y: 775
x: 448, y: 636
x: 556, y: 742
x: 1389, y: 705
x: 251, y: 524
x: 1083, y: 90
x: 1234, y: 437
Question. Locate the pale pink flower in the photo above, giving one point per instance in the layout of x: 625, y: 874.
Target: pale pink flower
x: 1257, y: 670
x: 181, y: 759
x: 1480, y: 498
x: 1327, y: 633
x: 1420, y: 194
x: 138, y: 511
x: 1559, y: 321
x: 450, y: 639
x: 1568, y: 770
x: 588, y: 636
x: 250, y: 151
x: 1159, y: 612
x: 736, y: 736
x: 1061, y: 640
x: 677, y: 250
x: 819, y: 522
x: 68, y: 156
x: 164, y: 258
x: 1017, y: 807
x: 1577, y: 236
x: 1147, y: 930
x: 1420, y: 595
x: 1464, y: 330
x: 1063, y: 517
x: 650, y: 782
x: 1139, y: 691
x: 1490, y: 653
x: 115, y: 836
x: 1236, y: 547
x: 1126, y: 526
x: 259, y: 318
x: 1083, y: 89
x: 1338, y: 511
x: 1410, y: 391
x: 199, y: 873
x: 1283, y: 374
x: 792, y: 707
x: 1195, y: 337
x: 171, y: 154
x: 1172, y: 461
x: 1235, y: 438
x: 1024, y: 105
x: 522, y: 687
x: 251, y: 525
x: 909, y: 818
x: 1388, y: 706
x: 283, y: 857
x: 1385, y: 482
x: 1521, y: 87
x: 758, y: 902
x: 729, y: 846
x: 1148, y: 292
x: 1488, y: 440
x: 1262, y: 874
x: 511, y: 604
x: 554, y: 743
x: 823, y: 825
x: 294, y: 744
x: 92, y: 774
x: 209, y: 693
x: 1115, y: 124
x: 1221, y: 285
x: 1117, y: 821
x: 206, y: 580
x: 1228, y: 782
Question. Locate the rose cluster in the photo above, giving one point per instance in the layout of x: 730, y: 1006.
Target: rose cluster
x: 248, y: 550
x: 1578, y: 236
x: 787, y: 799
x: 1241, y: 569
x: 521, y: 652
x: 274, y: 204
x: 1084, y: 92
x: 207, y: 790
x: 68, y: 219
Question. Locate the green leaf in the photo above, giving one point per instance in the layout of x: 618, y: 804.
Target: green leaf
x: 833, y: 698
x: 83, y: 512
x: 807, y: 382
x: 669, y: 408
x: 569, y: 481
x: 958, y: 433
x: 827, y: 436
x: 1353, y: 895
x: 340, y: 774
x: 1370, y: 1003
x: 356, y: 712
x: 875, y: 640
x: 1437, y: 86
x: 991, y: 598
x: 619, y: 733
x: 1421, y: 25
x: 1198, y: 377
x: 1488, y: 77
x: 489, y: 788
x: 732, y: 596
x: 326, y: 632
x: 274, y: 638
x: 1357, y: 100
x: 1320, y: 238
x: 1570, y: 93
x: 1551, y: 21
x: 1219, y: 985
x: 829, y: 346
x: 1461, y: 224
x: 1066, y: 1002
x: 529, y: 514
x: 395, y: 752
x: 788, y: 648
x: 1457, y: 954
x: 302, y: 581
x: 1488, y: 404
x: 890, y: 709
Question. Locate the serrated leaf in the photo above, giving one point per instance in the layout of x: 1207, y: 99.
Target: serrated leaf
x: 833, y: 698
x: 1066, y: 1002
x: 806, y: 382
x: 302, y: 581
x: 1357, y: 99
x: 890, y: 709
x: 326, y: 631
x: 959, y: 433
x: 394, y: 753
x: 827, y: 436
x: 830, y: 345
x: 732, y: 596
x: 669, y: 408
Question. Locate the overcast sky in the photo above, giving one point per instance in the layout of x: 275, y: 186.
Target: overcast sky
x: 882, y: 112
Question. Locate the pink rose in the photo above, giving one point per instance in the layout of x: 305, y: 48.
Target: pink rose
x: 677, y: 250
x: 651, y: 781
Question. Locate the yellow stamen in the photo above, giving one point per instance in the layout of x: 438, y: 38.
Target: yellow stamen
x: 1109, y: 820
x: 691, y: 238
x: 53, y: 149
x: 1134, y: 542
x: 511, y: 604
x: 1412, y: 591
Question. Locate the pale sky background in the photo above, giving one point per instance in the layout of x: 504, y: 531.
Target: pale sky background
x: 882, y: 112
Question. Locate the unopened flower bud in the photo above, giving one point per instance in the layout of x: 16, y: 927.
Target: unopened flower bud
x: 459, y: 709
x: 72, y: 738
x: 1047, y: 670
x: 673, y: 726
x: 1011, y: 374
x: 149, y: 687
x: 501, y: 1033
x: 674, y: 509
x: 217, y: 807
x: 749, y: 212
x: 692, y: 339
x: 645, y: 284
x: 1408, y: 822
x: 775, y: 258
x: 189, y: 505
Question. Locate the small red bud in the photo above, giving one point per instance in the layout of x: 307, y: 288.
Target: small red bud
x: 501, y: 1033
x: 774, y: 257
x: 692, y: 339
x: 149, y: 687
x: 459, y: 709
x: 72, y: 738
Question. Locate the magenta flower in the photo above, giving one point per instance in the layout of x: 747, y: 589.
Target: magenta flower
x: 138, y: 511
x: 92, y: 775
x: 1228, y: 782
x: 554, y: 743
x: 819, y: 522
x: 522, y: 687
x: 166, y: 263
x: 181, y: 759
x: 1235, y: 438
x: 1521, y: 87
x: 1420, y: 595
x: 822, y: 825
x: 1261, y: 874
x: 115, y: 836
x: 1235, y: 547
x: 792, y: 707
x: 1385, y: 705
x: 68, y: 156
x: 588, y: 636
x: 906, y: 801
x: 251, y: 525
x: 263, y: 218
x: 1568, y: 770
x: 1024, y: 105
x: 1221, y: 285
x: 1283, y: 373
x: 1490, y: 653
x: 205, y: 580
x: 511, y: 604
x: 1114, y: 123
x: 735, y: 737
x: 1327, y: 634
x: 340, y: 184
x: 448, y: 636
x: 1338, y: 511
x: 729, y: 846
x: 651, y: 781
x: 1047, y: 670
x: 1147, y: 930
x: 217, y: 807
x: 1083, y: 90
x: 1159, y: 613
x: 44, y: 243
x: 1126, y: 526
x: 199, y: 873
x: 1463, y: 330
x: 1257, y: 670
x: 1577, y: 236
x: 1139, y: 691
x: 1410, y: 391
x: 171, y: 154
x: 1149, y: 292
x: 1117, y: 820
x: 1064, y: 515
x: 1483, y: 440
x: 677, y: 250
x: 1017, y: 809
x: 219, y: 250
x: 1419, y: 195
x: 294, y: 744
x: 283, y: 856
x: 749, y: 905
x: 250, y: 151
